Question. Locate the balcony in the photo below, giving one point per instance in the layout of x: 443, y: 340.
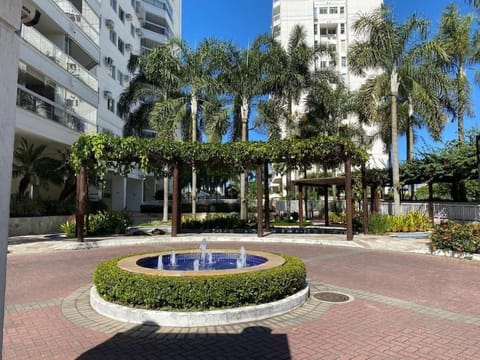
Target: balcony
x: 29, y: 100
x: 74, y: 15
x: 46, y: 47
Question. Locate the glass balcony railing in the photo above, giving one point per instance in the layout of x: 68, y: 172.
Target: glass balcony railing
x: 162, y: 4
x: 46, y: 47
x: 47, y: 109
x: 79, y: 19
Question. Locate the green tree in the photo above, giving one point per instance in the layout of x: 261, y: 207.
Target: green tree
x: 456, y: 38
x: 392, y: 50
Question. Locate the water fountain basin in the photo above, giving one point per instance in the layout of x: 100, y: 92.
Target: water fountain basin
x: 146, y: 264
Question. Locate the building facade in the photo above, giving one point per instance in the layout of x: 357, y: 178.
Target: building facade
x: 72, y: 69
x: 327, y: 22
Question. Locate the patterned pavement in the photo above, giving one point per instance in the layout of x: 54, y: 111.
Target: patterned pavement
x: 405, y: 306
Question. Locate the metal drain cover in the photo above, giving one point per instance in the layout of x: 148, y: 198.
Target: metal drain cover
x: 333, y: 297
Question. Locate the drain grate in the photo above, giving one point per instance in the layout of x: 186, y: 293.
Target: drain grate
x: 332, y: 297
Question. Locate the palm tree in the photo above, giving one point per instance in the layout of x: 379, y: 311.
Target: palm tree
x: 243, y: 80
x: 455, y: 37
x: 390, y: 50
x: 30, y: 163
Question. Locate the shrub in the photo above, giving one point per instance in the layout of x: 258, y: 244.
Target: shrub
x: 412, y: 221
x: 69, y: 228
x: 23, y: 206
x: 456, y: 237
x: 102, y: 223
x: 231, y: 221
x: 199, y: 292
x: 378, y: 224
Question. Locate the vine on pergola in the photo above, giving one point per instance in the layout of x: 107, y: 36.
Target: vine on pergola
x: 100, y: 153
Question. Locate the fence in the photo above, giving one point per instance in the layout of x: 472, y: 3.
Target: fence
x: 441, y: 210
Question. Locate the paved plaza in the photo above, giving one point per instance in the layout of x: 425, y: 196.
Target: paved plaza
x: 404, y: 305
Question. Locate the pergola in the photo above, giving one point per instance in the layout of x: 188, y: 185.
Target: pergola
x: 100, y: 153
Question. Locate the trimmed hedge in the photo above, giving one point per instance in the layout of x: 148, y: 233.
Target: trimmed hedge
x: 199, y: 292
x: 457, y: 237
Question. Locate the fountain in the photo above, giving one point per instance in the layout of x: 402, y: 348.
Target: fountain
x: 276, y: 283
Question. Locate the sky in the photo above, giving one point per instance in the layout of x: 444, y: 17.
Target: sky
x: 241, y: 21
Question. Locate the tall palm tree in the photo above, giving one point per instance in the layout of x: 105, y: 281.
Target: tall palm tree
x: 392, y: 50
x: 455, y: 37
x: 244, y: 82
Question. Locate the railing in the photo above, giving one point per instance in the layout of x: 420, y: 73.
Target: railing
x: 159, y: 29
x: 161, y: 4
x: 441, y: 210
x: 46, y: 47
x: 78, y: 19
x: 29, y: 100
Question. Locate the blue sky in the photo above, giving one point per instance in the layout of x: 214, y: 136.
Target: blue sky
x: 242, y: 20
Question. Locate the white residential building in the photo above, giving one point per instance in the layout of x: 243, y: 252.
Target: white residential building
x: 327, y: 23
x: 73, y: 68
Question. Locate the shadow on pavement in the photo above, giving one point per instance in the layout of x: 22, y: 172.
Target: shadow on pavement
x: 143, y: 342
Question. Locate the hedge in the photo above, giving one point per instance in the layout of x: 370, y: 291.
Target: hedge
x: 200, y: 292
x: 457, y: 237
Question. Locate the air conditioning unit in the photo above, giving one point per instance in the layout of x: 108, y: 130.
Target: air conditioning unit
x: 126, y: 77
x: 109, y: 23
x: 139, y: 32
x: 129, y: 17
x: 72, y: 66
x: 108, y: 61
x: 128, y: 47
x: 107, y: 94
x: 30, y: 14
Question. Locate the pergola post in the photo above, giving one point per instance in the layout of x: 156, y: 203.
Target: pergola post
x: 325, y: 200
x: 348, y: 197
x: 81, y: 203
x: 267, y: 198
x: 365, y: 199
x: 430, y: 202
x: 259, y: 201
x: 300, y: 206
x: 176, y: 212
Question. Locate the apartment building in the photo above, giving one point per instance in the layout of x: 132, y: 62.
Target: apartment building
x: 72, y: 70
x: 327, y: 23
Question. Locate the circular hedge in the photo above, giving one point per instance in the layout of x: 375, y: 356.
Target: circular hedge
x: 200, y: 292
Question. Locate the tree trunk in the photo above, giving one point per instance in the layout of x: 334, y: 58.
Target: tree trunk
x: 461, y: 79
x: 394, y: 83
x: 410, y: 140
x: 194, y: 110
x: 244, y: 176
x: 165, y: 199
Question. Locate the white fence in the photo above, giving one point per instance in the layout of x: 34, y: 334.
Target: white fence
x: 441, y: 210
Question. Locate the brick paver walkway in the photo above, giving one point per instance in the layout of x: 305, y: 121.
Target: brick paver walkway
x: 404, y: 307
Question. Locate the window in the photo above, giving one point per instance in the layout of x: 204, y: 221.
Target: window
x: 343, y: 46
x: 121, y: 46
x: 315, y: 29
x: 342, y: 10
x: 132, y: 30
x: 111, y: 104
x: 342, y: 28
x: 119, y: 111
x: 323, y: 64
x: 111, y: 71
x: 344, y: 61
x: 323, y: 31
x: 121, y: 14
x: 113, y: 37
x: 113, y: 4
x: 120, y: 77
x: 332, y: 47
x: 322, y: 10
x: 333, y: 10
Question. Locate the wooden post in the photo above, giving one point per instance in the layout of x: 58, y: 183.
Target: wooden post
x: 267, y: 198
x: 325, y: 199
x: 365, y: 199
x: 348, y: 197
x: 300, y: 206
x: 430, y: 202
x: 176, y: 213
x: 259, y: 201
x: 81, y: 203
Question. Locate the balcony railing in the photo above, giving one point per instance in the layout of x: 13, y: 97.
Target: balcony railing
x: 46, y: 47
x: 162, y: 4
x: 47, y: 109
x: 72, y: 12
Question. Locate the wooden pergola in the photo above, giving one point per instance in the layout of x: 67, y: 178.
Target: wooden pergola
x: 103, y: 153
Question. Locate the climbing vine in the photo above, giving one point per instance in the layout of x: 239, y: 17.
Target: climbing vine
x: 101, y: 152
